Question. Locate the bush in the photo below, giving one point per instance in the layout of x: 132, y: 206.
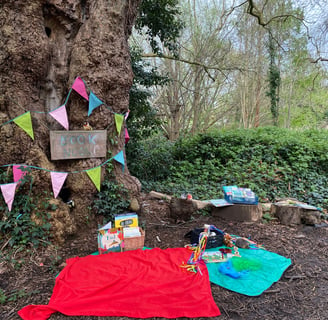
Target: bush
x: 272, y: 162
x: 151, y: 159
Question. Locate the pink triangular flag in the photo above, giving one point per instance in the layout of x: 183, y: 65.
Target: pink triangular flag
x: 127, y: 114
x: 126, y: 134
x: 79, y: 87
x: 57, y: 180
x: 60, y: 115
x: 18, y: 173
x: 8, y: 192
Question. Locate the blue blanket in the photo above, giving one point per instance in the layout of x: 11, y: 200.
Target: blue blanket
x: 251, y: 282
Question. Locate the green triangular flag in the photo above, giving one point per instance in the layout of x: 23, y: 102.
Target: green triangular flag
x: 119, y: 121
x: 94, y: 175
x: 25, y: 122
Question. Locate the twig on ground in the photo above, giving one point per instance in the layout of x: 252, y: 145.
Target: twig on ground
x: 167, y: 225
x: 5, y: 244
x: 295, y: 277
x: 272, y: 291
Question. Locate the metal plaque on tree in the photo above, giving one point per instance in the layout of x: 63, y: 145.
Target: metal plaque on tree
x: 78, y: 144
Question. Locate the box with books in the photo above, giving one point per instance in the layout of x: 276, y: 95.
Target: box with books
x: 134, y: 238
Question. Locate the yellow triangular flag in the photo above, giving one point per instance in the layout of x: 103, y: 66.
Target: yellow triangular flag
x: 25, y: 122
x: 94, y: 175
x: 119, y: 121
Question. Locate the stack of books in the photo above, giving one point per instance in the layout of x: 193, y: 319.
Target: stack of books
x: 131, y: 232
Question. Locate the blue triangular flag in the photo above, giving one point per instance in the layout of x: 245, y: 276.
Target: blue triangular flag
x: 94, y: 102
x: 120, y: 158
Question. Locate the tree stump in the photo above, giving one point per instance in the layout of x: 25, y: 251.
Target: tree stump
x: 182, y: 209
x: 239, y: 212
x: 293, y: 215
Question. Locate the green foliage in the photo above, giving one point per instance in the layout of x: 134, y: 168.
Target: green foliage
x: 17, y: 226
x: 15, y: 295
x: 267, y: 217
x: 111, y: 200
x: 151, y: 158
x: 142, y: 121
x: 272, y: 162
x: 162, y: 22
x: 144, y: 73
x: 55, y: 260
x: 3, y: 297
x: 274, y: 81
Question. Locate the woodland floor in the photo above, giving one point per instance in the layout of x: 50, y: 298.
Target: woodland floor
x: 301, y: 293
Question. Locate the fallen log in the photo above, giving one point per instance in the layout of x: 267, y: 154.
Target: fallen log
x: 158, y: 195
x: 196, y: 204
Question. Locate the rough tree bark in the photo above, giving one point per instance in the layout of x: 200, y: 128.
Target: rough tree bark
x: 44, y: 46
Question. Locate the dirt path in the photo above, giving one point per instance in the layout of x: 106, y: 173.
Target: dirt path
x: 301, y: 293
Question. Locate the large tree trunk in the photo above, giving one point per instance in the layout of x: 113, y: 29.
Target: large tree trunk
x: 44, y: 46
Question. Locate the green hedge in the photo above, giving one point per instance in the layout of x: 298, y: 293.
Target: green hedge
x: 273, y: 162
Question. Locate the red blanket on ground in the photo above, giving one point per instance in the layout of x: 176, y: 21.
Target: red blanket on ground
x: 138, y: 284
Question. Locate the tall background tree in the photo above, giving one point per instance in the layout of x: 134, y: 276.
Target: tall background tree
x: 242, y: 64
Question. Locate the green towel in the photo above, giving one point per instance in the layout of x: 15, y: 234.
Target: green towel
x: 256, y: 280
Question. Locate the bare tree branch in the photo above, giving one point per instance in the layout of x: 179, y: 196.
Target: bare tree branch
x: 254, y: 11
x: 318, y: 59
x: 196, y: 63
x: 239, y: 5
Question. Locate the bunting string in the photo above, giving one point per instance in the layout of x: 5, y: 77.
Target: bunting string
x: 95, y: 101
x: 25, y: 111
x: 58, y: 178
x: 68, y: 172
